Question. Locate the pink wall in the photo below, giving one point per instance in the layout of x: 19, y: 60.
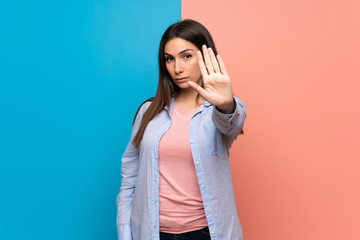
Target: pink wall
x: 295, y: 64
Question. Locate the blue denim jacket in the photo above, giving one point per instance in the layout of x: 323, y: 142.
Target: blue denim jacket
x: 211, y: 134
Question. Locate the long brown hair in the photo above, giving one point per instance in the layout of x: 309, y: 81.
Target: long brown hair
x: 191, y: 31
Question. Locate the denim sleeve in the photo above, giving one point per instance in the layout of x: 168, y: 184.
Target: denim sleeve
x: 124, y: 232
x: 129, y: 171
x: 230, y: 125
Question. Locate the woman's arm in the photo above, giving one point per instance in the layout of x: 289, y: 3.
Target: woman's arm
x: 129, y: 171
x: 230, y: 125
x: 229, y: 112
x: 129, y: 166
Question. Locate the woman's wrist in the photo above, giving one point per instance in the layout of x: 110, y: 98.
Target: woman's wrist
x: 227, y: 108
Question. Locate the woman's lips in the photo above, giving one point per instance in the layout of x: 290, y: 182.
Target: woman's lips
x: 183, y: 79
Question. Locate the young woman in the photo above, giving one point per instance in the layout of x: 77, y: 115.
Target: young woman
x: 176, y: 181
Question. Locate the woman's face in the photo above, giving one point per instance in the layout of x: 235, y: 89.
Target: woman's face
x: 182, y: 62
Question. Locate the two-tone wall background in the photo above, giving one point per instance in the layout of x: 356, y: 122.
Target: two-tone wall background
x: 72, y: 74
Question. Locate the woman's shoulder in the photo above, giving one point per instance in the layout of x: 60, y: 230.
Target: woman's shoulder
x: 142, y: 108
x: 145, y: 105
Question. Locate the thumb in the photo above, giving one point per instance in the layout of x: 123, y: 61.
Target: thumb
x: 197, y: 88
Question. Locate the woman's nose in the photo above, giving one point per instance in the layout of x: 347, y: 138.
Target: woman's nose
x: 178, y: 67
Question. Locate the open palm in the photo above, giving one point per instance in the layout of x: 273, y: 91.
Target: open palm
x: 217, y: 83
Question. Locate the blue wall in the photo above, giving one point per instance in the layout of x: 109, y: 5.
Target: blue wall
x: 72, y: 74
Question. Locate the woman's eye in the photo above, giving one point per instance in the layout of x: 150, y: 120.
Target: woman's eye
x: 187, y: 56
x: 168, y: 59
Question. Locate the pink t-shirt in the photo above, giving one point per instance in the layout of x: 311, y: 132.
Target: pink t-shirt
x: 181, y: 206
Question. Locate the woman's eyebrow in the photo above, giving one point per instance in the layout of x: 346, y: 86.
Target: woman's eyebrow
x: 188, y: 49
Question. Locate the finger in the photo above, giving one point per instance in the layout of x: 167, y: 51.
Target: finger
x: 198, y: 88
x: 222, y: 65
x: 203, y: 70
x: 207, y: 59
x: 214, y: 61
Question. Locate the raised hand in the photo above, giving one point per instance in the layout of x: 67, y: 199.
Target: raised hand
x: 217, y: 83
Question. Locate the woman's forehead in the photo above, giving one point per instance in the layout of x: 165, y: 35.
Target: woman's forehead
x: 178, y: 46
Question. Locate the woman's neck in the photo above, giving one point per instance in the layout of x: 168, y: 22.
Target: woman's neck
x: 188, y: 99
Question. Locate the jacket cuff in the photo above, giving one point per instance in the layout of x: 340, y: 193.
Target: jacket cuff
x: 226, y: 122
x: 124, y: 232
